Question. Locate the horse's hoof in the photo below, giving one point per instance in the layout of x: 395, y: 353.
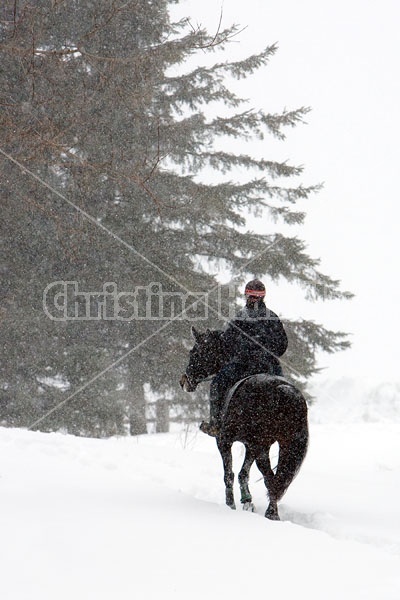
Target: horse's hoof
x: 248, y: 506
x: 272, y: 515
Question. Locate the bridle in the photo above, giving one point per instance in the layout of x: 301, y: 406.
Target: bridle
x: 189, y: 384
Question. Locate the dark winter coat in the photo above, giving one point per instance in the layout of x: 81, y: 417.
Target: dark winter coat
x: 255, y: 337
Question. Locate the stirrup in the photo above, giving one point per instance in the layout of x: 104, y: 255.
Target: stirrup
x: 209, y: 428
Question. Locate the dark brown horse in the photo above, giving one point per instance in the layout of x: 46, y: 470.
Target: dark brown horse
x: 258, y: 412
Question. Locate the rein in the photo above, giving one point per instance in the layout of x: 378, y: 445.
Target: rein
x: 196, y: 383
x: 207, y: 378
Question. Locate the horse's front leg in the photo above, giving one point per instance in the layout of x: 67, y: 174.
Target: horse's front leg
x: 225, y: 450
x: 246, y: 498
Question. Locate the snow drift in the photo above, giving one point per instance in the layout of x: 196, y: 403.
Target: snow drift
x: 145, y: 518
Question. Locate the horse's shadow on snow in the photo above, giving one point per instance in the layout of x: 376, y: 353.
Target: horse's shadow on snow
x: 309, y: 520
x: 314, y: 520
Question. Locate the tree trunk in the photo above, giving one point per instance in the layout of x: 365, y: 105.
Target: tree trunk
x: 137, y: 409
x: 162, y: 416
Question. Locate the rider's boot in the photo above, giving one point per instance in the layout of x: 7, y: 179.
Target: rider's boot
x: 213, y: 426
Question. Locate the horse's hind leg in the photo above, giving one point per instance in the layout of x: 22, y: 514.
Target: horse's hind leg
x: 225, y: 450
x: 264, y: 464
x: 245, y: 494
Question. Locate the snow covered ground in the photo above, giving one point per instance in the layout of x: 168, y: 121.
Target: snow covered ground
x: 144, y: 518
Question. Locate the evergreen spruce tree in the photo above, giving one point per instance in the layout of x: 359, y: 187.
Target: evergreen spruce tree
x: 103, y: 179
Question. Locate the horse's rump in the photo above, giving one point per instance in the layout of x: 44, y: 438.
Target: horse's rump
x: 265, y: 409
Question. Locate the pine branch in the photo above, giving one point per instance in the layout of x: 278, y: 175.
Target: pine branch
x: 250, y: 124
x: 225, y: 162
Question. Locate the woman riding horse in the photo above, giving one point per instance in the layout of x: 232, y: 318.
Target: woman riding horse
x: 260, y: 410
x: 253, y: 341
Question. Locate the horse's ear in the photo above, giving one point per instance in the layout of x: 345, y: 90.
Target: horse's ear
x: 195, y: 333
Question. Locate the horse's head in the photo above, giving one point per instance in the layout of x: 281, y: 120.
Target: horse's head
x: 204, y: 358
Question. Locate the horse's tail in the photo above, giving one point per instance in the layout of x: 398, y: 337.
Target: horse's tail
x: 292, y: 451
x: 291, y: 457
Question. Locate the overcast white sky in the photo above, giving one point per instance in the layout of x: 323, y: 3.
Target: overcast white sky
x: 340, y: 58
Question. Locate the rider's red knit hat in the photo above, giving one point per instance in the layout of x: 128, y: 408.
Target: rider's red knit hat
x: 255, y: 288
